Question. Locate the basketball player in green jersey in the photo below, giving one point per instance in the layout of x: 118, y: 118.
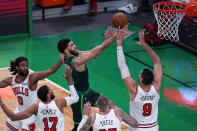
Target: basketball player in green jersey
x: 77, y: 60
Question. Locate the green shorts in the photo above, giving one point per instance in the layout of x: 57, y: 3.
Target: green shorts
x: 77, y: 108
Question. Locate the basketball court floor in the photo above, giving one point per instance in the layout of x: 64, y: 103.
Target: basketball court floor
x: 178, y: 102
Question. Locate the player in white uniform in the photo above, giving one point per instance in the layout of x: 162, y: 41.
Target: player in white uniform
x: 48, y: 112
x: 107, y: 119
x: 144, y: 98
x: 24, y: 86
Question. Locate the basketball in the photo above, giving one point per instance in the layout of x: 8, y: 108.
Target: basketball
x: 119, y: 19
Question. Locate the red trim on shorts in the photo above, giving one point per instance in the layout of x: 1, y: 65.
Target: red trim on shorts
x: 11, y: 127
x: 148, y: 125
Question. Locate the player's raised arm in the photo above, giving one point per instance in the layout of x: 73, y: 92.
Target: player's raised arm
x: 83, y: 58
x: 126, y: 118
x: 125, y: 74
x: 20, y: 115
x: 44, y: 74
x: 87, y: 120
x: 157, y: 63
x: 6, y: 82
x: 73, y: 98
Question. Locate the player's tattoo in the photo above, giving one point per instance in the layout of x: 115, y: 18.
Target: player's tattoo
x: 87, y: 125
x: 127, y: 119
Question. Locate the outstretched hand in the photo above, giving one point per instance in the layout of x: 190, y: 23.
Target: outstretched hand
x: 141, y: 38
x: 68, y: 74
x: 87, y: 109
x: 109, y: 32
x: 122, y: 32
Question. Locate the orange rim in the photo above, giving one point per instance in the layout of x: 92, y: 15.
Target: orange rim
x: 170, y: 3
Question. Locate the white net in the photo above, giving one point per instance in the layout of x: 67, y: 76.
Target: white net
x: 168, y: 20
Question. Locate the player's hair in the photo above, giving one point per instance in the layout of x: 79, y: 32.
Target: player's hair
x: 62, y: 45
x: 103, y: 103
x: 14, y: 64
x: 147, y: 77
x: 42, y: 93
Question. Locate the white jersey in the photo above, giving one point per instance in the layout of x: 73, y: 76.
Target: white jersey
x: 145, y: 107
x: 107, y: 122
x: 49, y: 117
x: 25, y: 96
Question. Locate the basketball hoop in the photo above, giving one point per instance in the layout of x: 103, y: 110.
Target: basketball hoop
x: 168, y: 16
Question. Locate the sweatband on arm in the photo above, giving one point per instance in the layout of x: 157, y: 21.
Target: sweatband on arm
x: 73, y: 98
x: 121, y: 63
x: 83, y: 121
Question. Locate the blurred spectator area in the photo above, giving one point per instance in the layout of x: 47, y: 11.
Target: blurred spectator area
x: 80, y: 7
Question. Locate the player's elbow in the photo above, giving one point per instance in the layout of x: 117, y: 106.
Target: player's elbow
x: 76, y: 98
x: 157, y: 61
x: 136, y: 124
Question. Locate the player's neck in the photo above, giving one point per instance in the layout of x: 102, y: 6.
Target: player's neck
x: 146, y: 88
x: 47, y: 102
x: 67, y: 54
x: 20, y: 78
x: 104, y: 112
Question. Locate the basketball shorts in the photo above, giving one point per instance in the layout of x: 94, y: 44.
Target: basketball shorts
x: 77, y: 108
x: 155, y: 128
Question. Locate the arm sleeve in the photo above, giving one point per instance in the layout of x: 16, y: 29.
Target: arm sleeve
x: 83, y: 121
x: 121, y: 63
x: 73, y: 98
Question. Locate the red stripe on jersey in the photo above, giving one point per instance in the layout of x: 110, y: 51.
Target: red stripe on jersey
x: 11, y: 127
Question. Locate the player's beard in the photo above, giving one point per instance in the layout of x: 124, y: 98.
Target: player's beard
x: 23, y: 73
x: 52, y: 96
x: 73, y: 53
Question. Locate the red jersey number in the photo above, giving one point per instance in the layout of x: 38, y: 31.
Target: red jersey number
x: 20, y: 100
x: 51, y: 119
x: 147, y: 109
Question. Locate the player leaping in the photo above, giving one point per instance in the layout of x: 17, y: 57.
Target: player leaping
x: 144, y: 98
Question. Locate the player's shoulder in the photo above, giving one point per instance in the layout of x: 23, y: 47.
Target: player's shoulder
x: 8, y: 79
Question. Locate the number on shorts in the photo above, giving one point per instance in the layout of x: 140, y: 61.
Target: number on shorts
x: 111, y: 129
x: 20, y: 100
x: 51, y: 119
x: 32, y: 127
x: 147, y: 109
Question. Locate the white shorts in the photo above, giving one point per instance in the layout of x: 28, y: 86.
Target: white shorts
x: 25, y: 125
x: 155, y: 128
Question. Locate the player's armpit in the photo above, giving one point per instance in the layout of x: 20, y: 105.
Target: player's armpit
x: 83, y: 58
x: 131, y: 85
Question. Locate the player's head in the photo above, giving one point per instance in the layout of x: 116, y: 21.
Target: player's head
x: 19, y: 66
x: 67, y: 46
x: 103, y: 103
x: 45, y: 93
x: 146, y: 77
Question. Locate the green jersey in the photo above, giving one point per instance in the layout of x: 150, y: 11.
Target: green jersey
x: 80, y: 79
